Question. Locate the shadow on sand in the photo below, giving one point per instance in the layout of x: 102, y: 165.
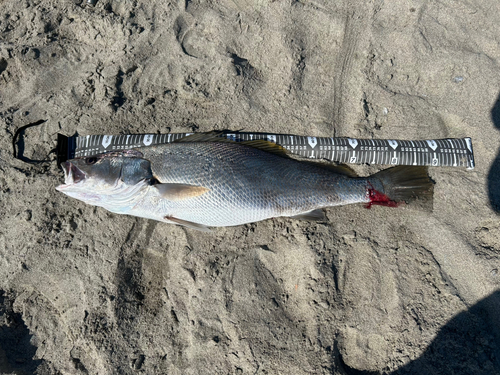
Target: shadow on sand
x: 494, y: 174
x: 16, y: 349
x: 468, y: 344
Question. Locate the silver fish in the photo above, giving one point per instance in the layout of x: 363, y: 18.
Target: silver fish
x: 204, y: 180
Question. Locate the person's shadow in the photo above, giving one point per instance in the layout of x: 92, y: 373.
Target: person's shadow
x: 494, y: 174
x: 16, y: 349
x: 469, y: 344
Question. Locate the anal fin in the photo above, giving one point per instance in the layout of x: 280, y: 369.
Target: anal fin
x: 314, y: 215
x: 189, y: 224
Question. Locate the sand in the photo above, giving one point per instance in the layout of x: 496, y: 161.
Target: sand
x: 380, y: 291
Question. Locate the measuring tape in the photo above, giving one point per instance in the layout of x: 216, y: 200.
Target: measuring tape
x: 449, y: 152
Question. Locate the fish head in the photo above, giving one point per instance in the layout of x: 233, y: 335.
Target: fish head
x: 100, y: 178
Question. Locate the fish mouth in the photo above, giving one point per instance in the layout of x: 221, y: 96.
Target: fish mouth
x: 72, y: 175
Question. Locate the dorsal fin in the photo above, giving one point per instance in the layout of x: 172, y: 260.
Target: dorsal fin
x: 267, y: 146
x: 219, y: 136
x: 213, y: 136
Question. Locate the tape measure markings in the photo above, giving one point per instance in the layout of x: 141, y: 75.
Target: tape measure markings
x: 443, y: 147
x: 441, y: 152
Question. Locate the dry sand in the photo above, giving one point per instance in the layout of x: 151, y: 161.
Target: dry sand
x: 398, y: 291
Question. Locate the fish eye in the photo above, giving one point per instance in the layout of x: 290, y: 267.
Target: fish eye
x: 90, y: 161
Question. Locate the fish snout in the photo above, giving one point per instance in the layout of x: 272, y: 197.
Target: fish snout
x: 77, y: 174
x: 72, y: 175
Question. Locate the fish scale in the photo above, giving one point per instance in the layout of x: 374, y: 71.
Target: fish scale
x: 253, y: 184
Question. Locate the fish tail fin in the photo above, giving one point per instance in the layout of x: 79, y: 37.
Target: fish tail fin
x: 400, y: 184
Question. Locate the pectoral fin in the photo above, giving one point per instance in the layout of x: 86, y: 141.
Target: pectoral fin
x: 177, y: 192
x: 188, y: 224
